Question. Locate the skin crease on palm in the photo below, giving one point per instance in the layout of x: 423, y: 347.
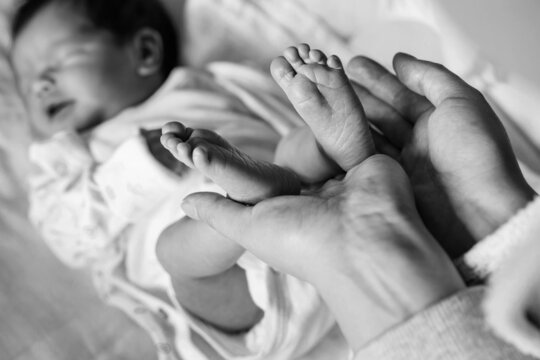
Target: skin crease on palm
x: 73, y: 76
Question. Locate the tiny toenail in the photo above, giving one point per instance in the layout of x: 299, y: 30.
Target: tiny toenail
x: 288, y: 55
x: 304, y: 48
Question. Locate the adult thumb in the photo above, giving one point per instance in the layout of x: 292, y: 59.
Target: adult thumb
x: 432, y: 80
x: 226, y: 216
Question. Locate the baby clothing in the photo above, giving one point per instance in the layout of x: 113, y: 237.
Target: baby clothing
x: 101, y: 201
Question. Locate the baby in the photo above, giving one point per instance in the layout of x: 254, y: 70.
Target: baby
x: 94, y: 74
x: 321, y: 93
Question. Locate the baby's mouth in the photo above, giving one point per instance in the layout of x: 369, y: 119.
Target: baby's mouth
x: 54, y: 110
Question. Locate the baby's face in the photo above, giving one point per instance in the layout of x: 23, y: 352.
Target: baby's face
x: 71, y: 75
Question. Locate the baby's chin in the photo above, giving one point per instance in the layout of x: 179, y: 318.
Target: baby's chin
x: 42, y: 130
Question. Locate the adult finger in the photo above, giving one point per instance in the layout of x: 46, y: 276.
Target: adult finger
x: 433, y: 81
x: 383, y: 146
x: 387, y: 87
x: 394, y: 127
x: 226, y: 216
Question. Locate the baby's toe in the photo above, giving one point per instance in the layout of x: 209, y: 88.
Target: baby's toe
x: 200, y: 157
x: 317, y: 57
x: 282, y: 71
x: 293, y: 57
x: 169, y: 141
x: 184, y: 154
x: 334, y: 62
x: 303, y: 51
x: 207, y: 136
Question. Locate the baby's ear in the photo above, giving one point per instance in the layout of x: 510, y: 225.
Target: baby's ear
x: 148, y: 46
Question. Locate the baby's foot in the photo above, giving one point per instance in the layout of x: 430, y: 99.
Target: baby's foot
x: 322, y: 94
x: 244, y: 179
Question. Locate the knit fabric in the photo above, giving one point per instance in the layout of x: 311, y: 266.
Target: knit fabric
x: 487, y: 256
x: 454, y: 329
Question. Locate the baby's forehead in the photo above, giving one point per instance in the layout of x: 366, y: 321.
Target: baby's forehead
x: 48, y: 29
x: 54, y: 22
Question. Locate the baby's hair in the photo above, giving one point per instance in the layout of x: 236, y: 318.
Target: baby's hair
x: 122, y: 18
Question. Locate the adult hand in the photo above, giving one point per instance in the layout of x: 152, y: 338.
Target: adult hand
x: 359, y: 240
x: 464, y: 174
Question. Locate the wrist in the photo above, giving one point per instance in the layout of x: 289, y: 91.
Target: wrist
x: 406, y: 274
x: 500, y: 205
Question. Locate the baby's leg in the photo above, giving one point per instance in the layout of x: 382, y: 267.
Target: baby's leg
x: 206, y: 281
x: 244, y: 179
x: 200, y: 262
x: 322, y: 94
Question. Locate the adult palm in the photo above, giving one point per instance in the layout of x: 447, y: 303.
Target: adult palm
x: 455, y: 150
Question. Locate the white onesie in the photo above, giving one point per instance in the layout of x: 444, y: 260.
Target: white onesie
x: 101, y: 200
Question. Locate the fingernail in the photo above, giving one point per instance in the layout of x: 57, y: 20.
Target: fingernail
x: 189, y: 208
